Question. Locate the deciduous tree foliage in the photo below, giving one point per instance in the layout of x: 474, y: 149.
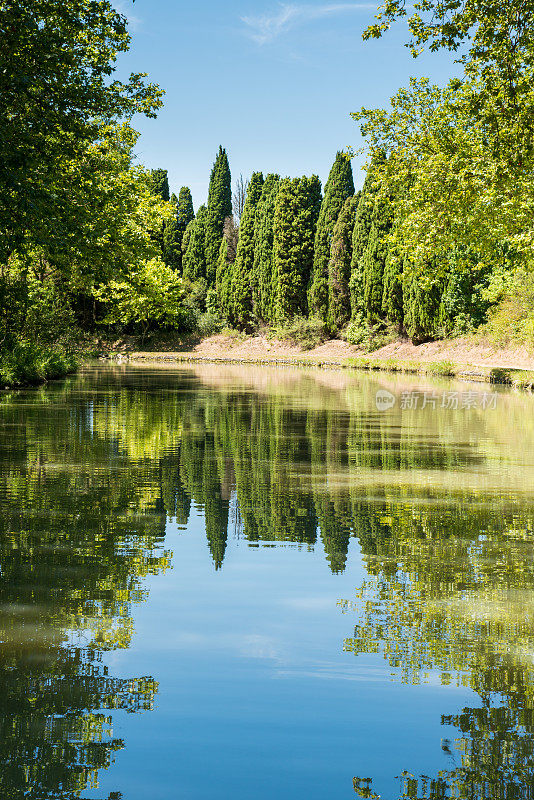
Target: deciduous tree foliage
x: 295, y: 221
x: 56, y: 59
x: 219, y: 207
x: 339, y: 187
x: 339, y: 311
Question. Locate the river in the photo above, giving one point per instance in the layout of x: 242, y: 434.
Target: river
x: 239, y: 582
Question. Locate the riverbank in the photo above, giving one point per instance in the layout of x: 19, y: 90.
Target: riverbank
x: 467, y: 357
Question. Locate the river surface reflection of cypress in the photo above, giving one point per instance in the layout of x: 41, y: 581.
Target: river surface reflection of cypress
x: 232, y: 582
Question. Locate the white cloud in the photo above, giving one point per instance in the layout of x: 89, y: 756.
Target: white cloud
x: 124, y: 8
x: 263, y: 29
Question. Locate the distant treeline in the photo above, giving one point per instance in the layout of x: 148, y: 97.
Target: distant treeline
x: 298, y: 253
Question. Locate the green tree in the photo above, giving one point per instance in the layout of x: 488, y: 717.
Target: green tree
x: 159, y: 183
x: 174, y: 230
x: 219, y: 207
x: 339, y: 186
x: 225, y: 262
x: 56, y: 60
x: 242, y: 284
x: 295, y: 221
x: 392, y: 298
x: 422, y: 288
x: 263, y: 248
x: 194, y: 257
x: 185, y: 213
x: 374, y: 259
x: 153, y: 295
x: 339, y: 267
x: 360, y: 238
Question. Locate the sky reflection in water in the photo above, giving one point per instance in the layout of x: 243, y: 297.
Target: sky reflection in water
x: 234, y: 582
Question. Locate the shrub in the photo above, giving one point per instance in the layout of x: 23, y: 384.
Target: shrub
x: 307, y: 333
x: 209, y: 324
x: 29, y: 363
x: 368, y: 336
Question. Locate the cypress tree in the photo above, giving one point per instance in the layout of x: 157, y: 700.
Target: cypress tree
x: 219, y: 207
x: 339, y: 267
x: 263, y: 248
x: 185, y: 207
x: 339, y: 186
x: 172, y: 240
x: 222, y: 279
x: 174, y: 230
x: 374, y: 260
x: 227, y: 256
x: 185, y: 241
x: 243, y: 269
x: 392, y: 300
x: 159, y: 183
x: 360, y: 238
x: 194, y: 258
x: 422, y: 289
x: 295, y: 222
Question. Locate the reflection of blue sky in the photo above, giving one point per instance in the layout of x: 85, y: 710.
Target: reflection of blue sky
x: 256, y: 696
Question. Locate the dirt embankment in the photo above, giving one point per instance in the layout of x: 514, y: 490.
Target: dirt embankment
x: 467, y: 352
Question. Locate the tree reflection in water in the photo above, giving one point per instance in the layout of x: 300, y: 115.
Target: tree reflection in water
x: 92, y: 470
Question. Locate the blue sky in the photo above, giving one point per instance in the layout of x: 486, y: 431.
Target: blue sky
x: 272, y: 82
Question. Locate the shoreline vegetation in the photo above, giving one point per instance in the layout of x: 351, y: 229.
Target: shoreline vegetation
x: 27, y: 364
x: 467, y: 358
x: 438, y: 243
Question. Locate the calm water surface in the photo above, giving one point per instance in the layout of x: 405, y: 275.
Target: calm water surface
x: 235, y: 583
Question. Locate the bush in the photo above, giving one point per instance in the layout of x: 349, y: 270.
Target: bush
x: 308, y: 333
x: 370, y: 337
x: 209, y: 324
x: 512, y: 320
x: 28, y: 363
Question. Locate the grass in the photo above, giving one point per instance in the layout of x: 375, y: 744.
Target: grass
x: 445, y: 368
x: 518, y: 378
x: 26, y: 364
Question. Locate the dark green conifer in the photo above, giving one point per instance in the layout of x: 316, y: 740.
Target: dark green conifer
x: 194, y: 258
x: 339, y: 267
x: 422, y: 288
x: 185, y: 207
x: 339, y: 186
x: 159, y: 183
x: 360, y: 238
x: 185, y: 241
x: 172, y: 240
x: 374, y: 260
x: 392, y: 300
x: 174, y: 230
x: 225, y: 261
x: 219, y: 207
x: 263, y: 248
x: 243, y: 269
x: 295, y: 222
